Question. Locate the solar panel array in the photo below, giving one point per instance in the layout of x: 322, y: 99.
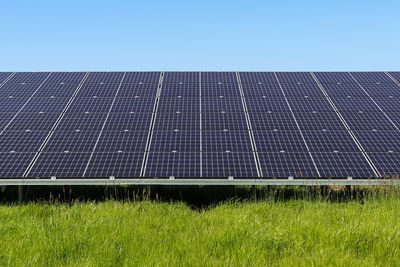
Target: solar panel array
x: 199, y: 124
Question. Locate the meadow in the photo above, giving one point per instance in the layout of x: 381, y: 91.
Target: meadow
x: 305, y: 231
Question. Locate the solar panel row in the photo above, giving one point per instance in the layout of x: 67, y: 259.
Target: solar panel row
x: 191, y: 124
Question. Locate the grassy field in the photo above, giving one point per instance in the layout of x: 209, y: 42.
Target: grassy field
x: 249, y: 233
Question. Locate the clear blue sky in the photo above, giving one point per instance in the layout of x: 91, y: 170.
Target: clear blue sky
x: 199, y: 35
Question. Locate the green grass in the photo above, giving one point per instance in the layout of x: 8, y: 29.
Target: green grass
x: 261, y: 233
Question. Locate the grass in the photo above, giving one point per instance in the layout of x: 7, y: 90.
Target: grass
x: 250, y: 233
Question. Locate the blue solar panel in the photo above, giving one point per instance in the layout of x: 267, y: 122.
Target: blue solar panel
x: 98, y: 90
x: 371, y: 77
x: 279, y: 141
x: 61, y: 165
x: 225, y: 164
x: 272, y: 121
x: 13, y: 165
x: 33, y: 122
x: 310, y: 104
x: 177, y: 121
x: 184, y: 77
x: 124, y: 141
x: 266, y: 104
x: 368, y: 121
x: 57, y: 90
x: 175, y: 141
x: 223, y: 141
x: 29, y: 77
x: 216, y: 77
x: 13, y: 104
x: 388, y: 164
x: 66, y: 77
x: 92, y: 105
x: 222, y: 104
x: 223, y: 121
x: 220, y: 89
x: 54, y: 105
x: 355, y: 104
x: 342, y: 165
x: 177, y: 164
x: 128, y: 121
x: 330, y: 141
x: 21, y: 141
x: 142, y: 77
x: 180, y: 90
x: 334, y: 77
x: 138, y: 90
x: 295, y: 77
x: 302, y: 89
x: 104, y: 77
x: 257, y: 77
x: 119, y: 165
x: 178, y: 104
x: 282, y: 165
x: 199, y: 127
x: 139, y: 105
x: 382, y: 141
x: 262, y: 89
x: 319, y: 121
x: 71, y: 142
x: 4, y: 76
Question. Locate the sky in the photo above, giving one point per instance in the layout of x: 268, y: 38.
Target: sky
x: 203, y: 35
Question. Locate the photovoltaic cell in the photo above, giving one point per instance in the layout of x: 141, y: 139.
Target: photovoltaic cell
x: 180, y: 90
x: 185, y: 77
x: 302, y: 89
x: 18, y: 89
x: 343, y: 90
x: 21, y: 141
x: 220, y: 89
x: 142, y: 77
x: 368, y: 121
x: 12, y: 105
x: 13, y: 165
x: 224, y: 104
x: 33, y: 122
x: 382, y: 141
x: 177, y: 121
x: 279, y: 141
x: 57, y: 90
x: 175, y: 141
x: 267, y: 104
x: 381, y: 89
x: 98, y: 90
x: 81, y: 122
x: 128, y: 121
x: 223, y: 141
x: 295, y: 77
x: 104, y: 77
x: 223, y: 121
x: 177, y: 164
x: 61, y: 165
x: 258, y: 77
x: 319, y: 121
x: 5, y: 118
x: 282, y: 165
x: 334, y: 77
x: 119, y: 165
x: 47, y: 105
x: 92, y: 105
x: 4, y: 76
x: 122, y: 142
x: 272, y: 121
x: 216, y: 77
x: 138, y: 90
x: 178, y: 104
x: 396, y: 75
x: 29, y: 77
x: 261, y: 89
x: 371, y: 77
x: 310, y: 104
x: 330, y: 141
x: 388, y: 164
x: 66, y: 77
x: 225, y: 164
x: 128, y: 105
x: 387, y: 104
x: 342, y: 165
x: 71, y: 142
x: 355, y: 104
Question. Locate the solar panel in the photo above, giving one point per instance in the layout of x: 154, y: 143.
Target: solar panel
x: 396, y: 75
x: 247, y: 125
